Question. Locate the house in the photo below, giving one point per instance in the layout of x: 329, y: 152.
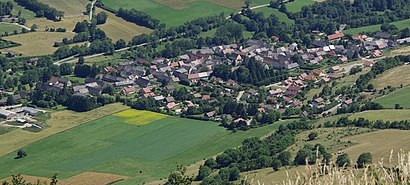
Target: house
x: 368, y: 64
x: 206, y: 97
x: 318, y: 101
x: 110, y: 69
x: 170, y: 99
x: 210, y: 114
x: 59, y: 82
x: 171, y: 105
x: 334, y: 69
x: 7, y: 114
x: 111, y: 78
x: 292, y: 90
x: 337, y: 35
x: 383, y: 35
x: 317, y: 72
x: 128, y: 90
x: 143, y: 82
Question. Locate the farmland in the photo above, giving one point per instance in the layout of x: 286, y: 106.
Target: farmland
x: 112, y: 145
x: 70, y: 8
x: 117, y: 28
x: 387, y: 115
x: 9, y: 28
x: 269, y: 11
x: 394, y: 77
x: 400, y: 96
x: 36, y: 43
x: 67, y: 23
x: 400, y: 24
x: 297, y: 5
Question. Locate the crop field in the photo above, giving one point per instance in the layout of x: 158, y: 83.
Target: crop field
x: 36, y: 43
x: 380, y: 144
x: 9, y: 28
x: 60, y: 121
x: 394, y: 77
x: 386, y: 115
x: 111, y: 145
x: 70, y: 7
x: 400, y: 96
x: 400, y: 24
x: 117, y: 28
x: 140, y: 117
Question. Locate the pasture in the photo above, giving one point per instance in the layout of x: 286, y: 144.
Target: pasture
x: 111, y: 145
x: 386, y: 115
x: 26, y: 14
x: 400, y: 24
x: 9, y: 28
x: 36, y: 43
x: 117, y: 28
x: 67, y: 23
x: 269, y: 11
x: 297, y: 5
x: 59, y: 122
x: 400, y: 96
x: 70, y: 7
x: 393, y: 77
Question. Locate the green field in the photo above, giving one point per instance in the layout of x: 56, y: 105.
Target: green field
x: 297, y: 5
x: 26, y: 14
x: 269, y: 11
x: 9, y: 28
x: 400, y: 96
x: 110, y: 145
x: 400, y: 24
x: 386, y: 115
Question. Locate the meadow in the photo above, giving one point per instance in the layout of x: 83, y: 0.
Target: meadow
x: 36, y: 43
x: 393, y: 77
x: 112, y: 145
x: 67, y: 22
x: 70, y: 7
x: 9, y: 28
x: 26, y: 14
x: 400, y: 96
x: 269, y: 11
x: 117, y: 28
x: 297, y: 5
x: 386, y: 115
x: 400, y: 24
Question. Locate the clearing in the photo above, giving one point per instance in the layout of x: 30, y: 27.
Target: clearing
x: 111, y: 145
x: 400, y: 96
x: 60, y: 121
x: 393, y: 77
x: 117, y: 28
x: 36, y: 43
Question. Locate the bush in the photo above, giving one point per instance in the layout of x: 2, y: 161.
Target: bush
x: 364, y: 160
x: 343, y: 160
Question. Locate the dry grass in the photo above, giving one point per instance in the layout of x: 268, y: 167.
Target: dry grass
x: 386, y: 115
x: 393, y: 77
x: 180, y: 4
x: 117, y: 28
x: 67, y: 23
x: 60, y: 121
x: 400, y: 51
x: 36, y: 43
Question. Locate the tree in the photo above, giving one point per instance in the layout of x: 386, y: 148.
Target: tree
x: 80, y: 60
x: 10, y: 100
x: 364, y: 159
x: 204, y: 171
x: 21, y: 154
x: 34, y: 27
x: 276, y: 164
x: 101, y: 17
x: 397, y: 106
x: 66, y: 69
x: 302, y: 155
x: 343, y: 160
x: 312, y: 136
x: 179, y: 177
x: 247, y: 3
x: 284, y: 158
x: 120, y: 44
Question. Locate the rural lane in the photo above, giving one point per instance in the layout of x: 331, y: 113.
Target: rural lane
x: 74, y: 59
x: 91, y: 10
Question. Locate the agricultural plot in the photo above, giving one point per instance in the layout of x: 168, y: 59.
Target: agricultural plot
x: 394, y: 77
x: 9, y: 28
x: 26, y: 14
x: 111, y: 145
x: 67, y: 23
x: 70, y: 7
x: 36, y: 43
x: 386, y: 115
x: 117, y: 28
x: 400, y: 96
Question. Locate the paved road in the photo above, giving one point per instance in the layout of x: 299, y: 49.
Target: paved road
x: 74, y: 59
x: 91, y: 10
x: 238, y: 98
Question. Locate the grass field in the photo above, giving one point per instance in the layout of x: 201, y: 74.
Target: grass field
x: 117, y: 28
x: 60, y: 121
x: 111, y: 145
x: 380, y: 144
x: 36, y: 43
x: 297, y: 5
x: 400, y: 24
x: 9, y: 28
x: 67, y: 23
x: 26, y: 14
x: 70, y: 7
x: 269, y: 11
x: 400, y: 96
x: 386, y: 115
x: 394, y: 77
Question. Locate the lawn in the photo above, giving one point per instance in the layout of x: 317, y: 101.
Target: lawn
x: 400, y: 96
x: 36, y: 43
x: 9, y: 28
x: 386, y: 115
x: 393, y: 77
x: 400, y: 24
x: 111, y: 145
x: 117, y: 28
x: 70, y: 7
x: 269, y: 11
x: 297, y: 5
x: 60, y: 121
x: 174, y: 15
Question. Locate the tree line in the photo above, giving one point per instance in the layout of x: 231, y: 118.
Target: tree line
x: 139, y: 18
x: 6, y: 8
x: 365, y: 123
x: 41, y: 9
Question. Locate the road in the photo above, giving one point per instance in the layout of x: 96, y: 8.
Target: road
x: 91, y: 10
x: 238, y: 98
x: 74, y: 59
